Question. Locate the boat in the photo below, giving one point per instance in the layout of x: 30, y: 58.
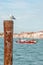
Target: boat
x: 26, y: 41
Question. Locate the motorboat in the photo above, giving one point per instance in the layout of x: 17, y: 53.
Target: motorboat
x: 26, y: 41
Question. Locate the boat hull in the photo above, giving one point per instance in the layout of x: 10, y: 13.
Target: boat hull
x: 26, y: 42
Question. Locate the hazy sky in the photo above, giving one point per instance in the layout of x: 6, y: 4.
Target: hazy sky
x: 28, y: 13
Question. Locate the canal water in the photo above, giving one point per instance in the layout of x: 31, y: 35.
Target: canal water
x: 24, y: 54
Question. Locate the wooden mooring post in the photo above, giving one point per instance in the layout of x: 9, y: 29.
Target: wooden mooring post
x: 8, y: 42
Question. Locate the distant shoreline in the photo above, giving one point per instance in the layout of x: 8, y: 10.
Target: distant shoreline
x: 38, y: 34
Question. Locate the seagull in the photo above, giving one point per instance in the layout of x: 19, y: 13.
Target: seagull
x: 12, y: 17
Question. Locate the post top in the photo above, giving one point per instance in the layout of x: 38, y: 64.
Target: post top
x: 8, y: 23
x: 8, y: 20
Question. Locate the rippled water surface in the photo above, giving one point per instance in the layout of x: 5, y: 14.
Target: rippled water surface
x: 24, y: 54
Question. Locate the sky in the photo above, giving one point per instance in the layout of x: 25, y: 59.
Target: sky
x: 28, y: 14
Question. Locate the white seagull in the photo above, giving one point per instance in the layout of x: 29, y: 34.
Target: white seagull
x: 12, y: 17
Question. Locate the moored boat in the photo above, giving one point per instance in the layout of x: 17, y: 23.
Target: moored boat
x: 26, y: 41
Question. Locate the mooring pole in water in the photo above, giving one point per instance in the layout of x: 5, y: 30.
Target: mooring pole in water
x: 8, y: 41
